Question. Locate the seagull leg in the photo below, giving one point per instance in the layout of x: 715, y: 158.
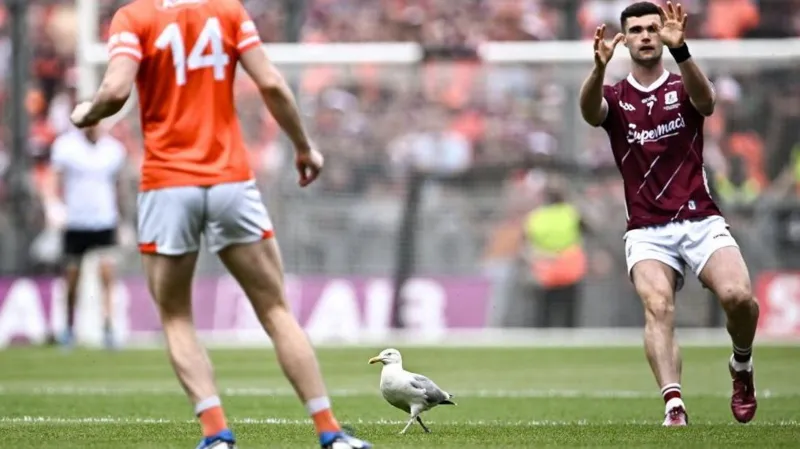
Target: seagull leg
x: 410, y: 421
x: 424, y: 427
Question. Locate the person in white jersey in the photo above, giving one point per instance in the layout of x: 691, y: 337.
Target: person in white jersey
x: 87, y: 164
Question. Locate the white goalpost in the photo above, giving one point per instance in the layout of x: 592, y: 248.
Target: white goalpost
x: 91, y: 53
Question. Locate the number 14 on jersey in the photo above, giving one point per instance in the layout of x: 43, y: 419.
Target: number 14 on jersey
x: 210, y: 36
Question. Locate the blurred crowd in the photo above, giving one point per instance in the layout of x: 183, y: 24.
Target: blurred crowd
x: 375, y: 123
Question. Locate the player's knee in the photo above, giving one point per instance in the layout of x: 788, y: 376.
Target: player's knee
x: 736, y: 297
x: 659, y: 308
x: 106, y: 273
x: 274, y: 316
x: 658, y: 301
x: 72, y: 272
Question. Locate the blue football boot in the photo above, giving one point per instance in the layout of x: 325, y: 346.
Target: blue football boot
x: 222, y: 440
x: 341, y: 440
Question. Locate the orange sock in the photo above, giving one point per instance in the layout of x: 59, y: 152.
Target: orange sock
x: 213, y: 420
x: 324, y: 421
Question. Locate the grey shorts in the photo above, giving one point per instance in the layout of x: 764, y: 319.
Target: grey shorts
x: 171, y: 220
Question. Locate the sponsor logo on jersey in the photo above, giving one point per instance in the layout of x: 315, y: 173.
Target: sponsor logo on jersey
x: 663, y: 130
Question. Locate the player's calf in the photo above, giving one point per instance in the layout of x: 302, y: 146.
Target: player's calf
x: 654, y: 282
x: 742, y: 311
x: 727, y: 276
x: 72, y: 273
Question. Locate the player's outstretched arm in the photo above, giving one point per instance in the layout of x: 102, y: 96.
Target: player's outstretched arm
x: 111, y: 97
x: 672, y: 33
x: 594, y: 107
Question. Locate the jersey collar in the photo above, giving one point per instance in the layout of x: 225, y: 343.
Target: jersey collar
x: 658, y: 83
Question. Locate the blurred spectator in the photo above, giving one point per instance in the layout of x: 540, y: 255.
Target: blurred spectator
x: 557, y: 261
x: 730, y: 19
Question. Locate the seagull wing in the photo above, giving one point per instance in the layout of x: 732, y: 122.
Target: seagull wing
x: 433, y: 394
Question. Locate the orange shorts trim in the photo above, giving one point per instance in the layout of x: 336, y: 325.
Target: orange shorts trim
x: 148, y: 248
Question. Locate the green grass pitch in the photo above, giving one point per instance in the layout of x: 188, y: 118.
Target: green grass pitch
x: 522, y: 397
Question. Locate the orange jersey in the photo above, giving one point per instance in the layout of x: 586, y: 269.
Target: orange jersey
x: 188, y: 51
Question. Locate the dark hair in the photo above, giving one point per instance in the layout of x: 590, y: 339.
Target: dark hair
x: 637, y: 9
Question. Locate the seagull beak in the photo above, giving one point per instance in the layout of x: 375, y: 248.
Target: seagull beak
x: 375, y: 360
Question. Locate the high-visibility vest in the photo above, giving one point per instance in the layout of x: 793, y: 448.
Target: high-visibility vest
x: 745, y: 193
x: 796, y: 163
x: 554, y: 233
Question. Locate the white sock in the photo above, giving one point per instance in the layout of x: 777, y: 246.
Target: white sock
x: 741, y: 366
x: 206, y: 404
x: 317, y: 405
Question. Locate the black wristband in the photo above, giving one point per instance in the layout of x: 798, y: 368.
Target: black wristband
x: 681, y: 53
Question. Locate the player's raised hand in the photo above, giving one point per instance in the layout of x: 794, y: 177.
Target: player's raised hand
x: 673, y: 31
x: 309, y: 164
x: 604, y: 51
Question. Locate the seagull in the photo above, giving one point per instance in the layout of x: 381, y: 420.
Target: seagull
x: 413, y: 393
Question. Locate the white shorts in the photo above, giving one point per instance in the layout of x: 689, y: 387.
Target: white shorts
x: 679, y: 244
x: 172, y: 219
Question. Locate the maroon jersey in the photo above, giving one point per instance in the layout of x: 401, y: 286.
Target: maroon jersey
x: 657, y: 138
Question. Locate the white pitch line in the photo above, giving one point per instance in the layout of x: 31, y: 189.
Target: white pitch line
x: 67, y: 390
x: 381, y: 422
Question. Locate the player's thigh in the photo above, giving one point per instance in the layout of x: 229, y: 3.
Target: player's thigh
x: 171, y: 220
x: 257, y: 267
x: 656, y: 269
x: 240, y: 232
x: 235, y: 215
x: 169, y: 279
x: 654, y: 260
x: 717, y: 260
x: 170, y: 225
x: 655, y: 283
x: 103, y: 246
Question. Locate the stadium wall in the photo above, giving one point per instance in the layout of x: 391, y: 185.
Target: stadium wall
x: 343, y: 311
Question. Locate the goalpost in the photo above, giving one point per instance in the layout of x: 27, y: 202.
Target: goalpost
x: 91, y: 53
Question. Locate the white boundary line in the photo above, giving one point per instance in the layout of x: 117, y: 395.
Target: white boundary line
x: 381, y: 422
x: 286, y: 392
x: 477, y: 338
